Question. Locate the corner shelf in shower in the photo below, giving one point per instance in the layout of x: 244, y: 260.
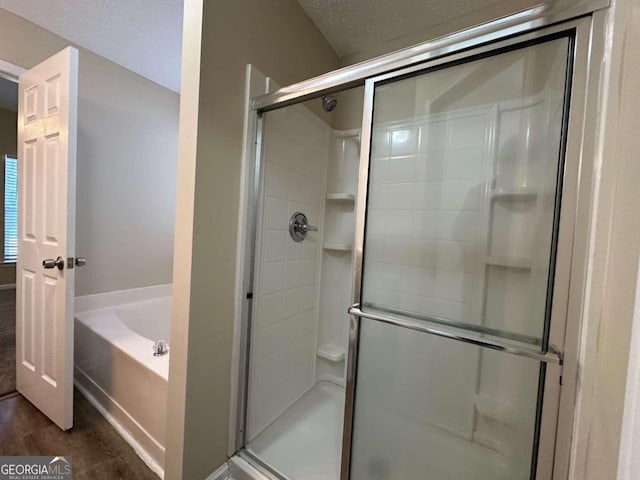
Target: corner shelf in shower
x: 333, y: 353
x: 338, y: 246
x: 341, y: 197
x: 518, y: 194
x: 509, y: 262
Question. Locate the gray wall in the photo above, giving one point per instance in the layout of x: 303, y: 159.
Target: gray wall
x: 127, y: 155
x: 126, y: 178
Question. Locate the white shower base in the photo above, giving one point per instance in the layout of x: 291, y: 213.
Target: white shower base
x: 305, y: 442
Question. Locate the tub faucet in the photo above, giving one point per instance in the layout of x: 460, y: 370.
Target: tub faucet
x: 160, y: 348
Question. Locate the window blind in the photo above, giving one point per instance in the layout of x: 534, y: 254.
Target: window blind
x: 10, y: 209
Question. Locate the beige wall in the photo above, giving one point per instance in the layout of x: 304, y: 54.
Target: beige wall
x: 614, y: 258
x: 281, y: 41
x: 8, y: 141
x: 126, y: 174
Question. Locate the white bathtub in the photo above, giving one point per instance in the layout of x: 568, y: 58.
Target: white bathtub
x: 115, y: 367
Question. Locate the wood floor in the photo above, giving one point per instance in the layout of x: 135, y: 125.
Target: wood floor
x: 7, y: 341
x: 97, y: 451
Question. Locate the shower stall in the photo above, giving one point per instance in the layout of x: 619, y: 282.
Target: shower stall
x: 407, y: 296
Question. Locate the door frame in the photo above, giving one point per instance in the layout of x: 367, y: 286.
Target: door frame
x: 588, y: 20
x: 10, y: 72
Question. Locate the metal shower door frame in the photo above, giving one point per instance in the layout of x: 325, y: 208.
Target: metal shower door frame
x: 510, y: 30
x: 551, y: 359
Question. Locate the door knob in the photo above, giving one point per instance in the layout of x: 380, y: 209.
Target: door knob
x: 81, y: 261
x: 51, y: 263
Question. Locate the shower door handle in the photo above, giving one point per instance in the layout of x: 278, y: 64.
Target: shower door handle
x: 435, y: 327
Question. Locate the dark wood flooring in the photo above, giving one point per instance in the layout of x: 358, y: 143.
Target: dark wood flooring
x: 97, y: 451
x: 7, y: 341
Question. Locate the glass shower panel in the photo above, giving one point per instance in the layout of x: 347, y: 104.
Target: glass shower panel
x: 419, y: 412
x: 462, y: 192
x: 295, y: 399
x: 462, y: 204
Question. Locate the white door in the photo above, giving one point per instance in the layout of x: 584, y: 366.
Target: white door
x: 47, y: 113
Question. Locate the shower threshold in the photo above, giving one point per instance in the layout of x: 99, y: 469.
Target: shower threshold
x: 305, y: 442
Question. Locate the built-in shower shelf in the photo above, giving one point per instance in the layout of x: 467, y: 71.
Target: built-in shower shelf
x: 518, y: 194
x: 509, y: 262
x: 341, y: 197
x: 333, y: 353
x: 338, y: 246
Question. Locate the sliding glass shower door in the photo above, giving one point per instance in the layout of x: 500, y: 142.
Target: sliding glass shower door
x: 459, y: 252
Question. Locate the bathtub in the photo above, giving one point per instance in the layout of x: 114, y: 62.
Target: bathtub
x: 115, y: 367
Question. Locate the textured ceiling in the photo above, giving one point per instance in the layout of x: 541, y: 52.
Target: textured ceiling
x: 351, y: 26
x: 142, y: 35
x: 8, y: 95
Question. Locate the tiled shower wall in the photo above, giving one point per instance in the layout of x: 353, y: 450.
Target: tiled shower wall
x: 295, y: 154
x: 428, y: 238
x: 424, y: 239
x: 424, y: 213
x: 435, y: 248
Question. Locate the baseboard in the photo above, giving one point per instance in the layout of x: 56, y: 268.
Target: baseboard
x: 9, y: 395
x: 117, y: 424
x: 222, y: 473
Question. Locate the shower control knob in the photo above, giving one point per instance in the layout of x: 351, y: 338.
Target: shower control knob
x: 299, y: 227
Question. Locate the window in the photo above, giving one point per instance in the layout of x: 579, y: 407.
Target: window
x: 10, y: 209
